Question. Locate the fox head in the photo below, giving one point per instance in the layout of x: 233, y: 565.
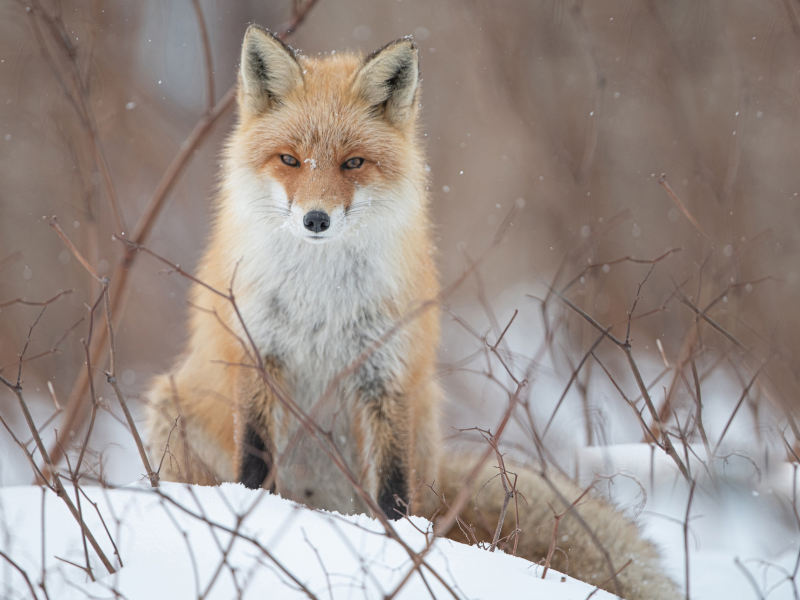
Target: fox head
x: 326, y: 147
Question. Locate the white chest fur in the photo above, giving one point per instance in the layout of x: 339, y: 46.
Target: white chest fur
x: 316, y: 308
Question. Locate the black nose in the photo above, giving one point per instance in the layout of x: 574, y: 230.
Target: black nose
x: 317, y: 221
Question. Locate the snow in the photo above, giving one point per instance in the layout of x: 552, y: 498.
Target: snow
x: 338, y: 556
x: 334, y: 556
x: 747, y: 520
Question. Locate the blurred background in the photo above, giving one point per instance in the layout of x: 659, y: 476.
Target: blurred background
x: 569, y: 111
x: 574, y: 109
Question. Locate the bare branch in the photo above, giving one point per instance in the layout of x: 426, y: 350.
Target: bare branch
x: 209, y: 64
x: 674, y: 197
x: 32, y: 303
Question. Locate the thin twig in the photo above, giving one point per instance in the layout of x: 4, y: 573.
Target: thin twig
x: 54, y: 224
x: 59, y: 488
x: 699, y: 422
x: 556, y: 522
x: 32, y: 303
x: 674, y: 197
x: 736, y: 409
x: 626, y: 348
x: 622, y: 568
x: 21, y: 572
x: 686, y: 535
x: 209, y: 64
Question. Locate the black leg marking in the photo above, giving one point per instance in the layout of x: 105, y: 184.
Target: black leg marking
x: 394, y: 483
x: 256, y: 460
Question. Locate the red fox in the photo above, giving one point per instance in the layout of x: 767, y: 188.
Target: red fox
x: 321, y: 232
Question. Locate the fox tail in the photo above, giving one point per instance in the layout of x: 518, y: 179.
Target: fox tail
x: 595, y: 542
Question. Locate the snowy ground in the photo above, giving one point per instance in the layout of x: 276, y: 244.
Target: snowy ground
x: 334, y: 556
x: 745, y: 520
x: 338, y: 556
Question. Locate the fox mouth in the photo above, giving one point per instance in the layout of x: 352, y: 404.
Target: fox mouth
x: 317, y: 239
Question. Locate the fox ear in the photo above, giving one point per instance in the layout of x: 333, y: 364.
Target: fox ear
x: 388, y: 80
x: 269, y: 71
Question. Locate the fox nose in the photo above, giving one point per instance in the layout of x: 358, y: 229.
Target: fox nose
x: 316, y: 221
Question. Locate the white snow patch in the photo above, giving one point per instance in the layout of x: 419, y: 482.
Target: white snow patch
x: 334, y: 556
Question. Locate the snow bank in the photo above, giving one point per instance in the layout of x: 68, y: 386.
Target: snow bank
x: 171, y: 552
x: 748, y: 520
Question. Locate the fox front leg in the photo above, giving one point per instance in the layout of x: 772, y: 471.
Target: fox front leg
x: 393, y: 494
x: 256, y: 449
x: 256, y: 457
x: 385, y: 417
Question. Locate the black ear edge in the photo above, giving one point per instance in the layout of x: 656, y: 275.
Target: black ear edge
x: 403, y: 40
x: 289, y: 50
x: 274, y: 36
x: 260, y: 82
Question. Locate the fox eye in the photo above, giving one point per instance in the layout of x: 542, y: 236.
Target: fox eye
x: 290, y: 160
x: 353, y: 163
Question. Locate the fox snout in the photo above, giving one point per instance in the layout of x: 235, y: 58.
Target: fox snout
x: 317, y: 221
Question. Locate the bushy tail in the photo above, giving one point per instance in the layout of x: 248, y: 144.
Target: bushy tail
x: 591, y: 550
